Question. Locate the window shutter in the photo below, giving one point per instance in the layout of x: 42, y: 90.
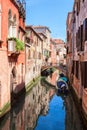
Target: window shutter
x: 82, y: 73
x: 72, y: 68
x: 79, y: 45
x: 76, y: 39
x: 77, y: 69
x: 81, y: 37
x: 85, y: 74
x: 85, y: 29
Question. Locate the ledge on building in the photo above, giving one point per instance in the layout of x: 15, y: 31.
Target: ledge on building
x: 13, y: 54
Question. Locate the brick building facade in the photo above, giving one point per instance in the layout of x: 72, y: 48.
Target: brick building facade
x: 34, y: 49
x: 79, y: 52
x: 12, y: 56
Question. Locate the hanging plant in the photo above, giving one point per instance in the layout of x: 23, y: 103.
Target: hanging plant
x: 19, y: 44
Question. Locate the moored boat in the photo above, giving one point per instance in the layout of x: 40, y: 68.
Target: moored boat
x: 62, y: 84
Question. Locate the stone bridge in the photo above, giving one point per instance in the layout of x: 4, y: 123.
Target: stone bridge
x: 59, y: 67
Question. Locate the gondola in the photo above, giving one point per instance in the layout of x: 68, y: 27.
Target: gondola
x: 62, y: 84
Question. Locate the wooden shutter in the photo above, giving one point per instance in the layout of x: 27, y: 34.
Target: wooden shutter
x: 82, y: 73
x: 81, y: 37
x: 73, y: 67
x: 85, y: 74
x: 85, y: 30
x: 77, y: 69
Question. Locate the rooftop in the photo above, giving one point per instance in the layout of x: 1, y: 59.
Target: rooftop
x: 58, y: 41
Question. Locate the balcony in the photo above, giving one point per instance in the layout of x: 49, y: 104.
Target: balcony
x: 11, y: 46
x: 15, y: 46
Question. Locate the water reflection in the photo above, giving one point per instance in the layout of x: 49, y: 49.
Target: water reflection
x: 24, y: 114
x: 73, y: 118
x: 55, y: 119
x: 36, y: 102
x: 5, y: 123
x: 43, y: 102
x: 17, y: 115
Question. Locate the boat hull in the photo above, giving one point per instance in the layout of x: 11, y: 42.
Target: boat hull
x: 62, y: 86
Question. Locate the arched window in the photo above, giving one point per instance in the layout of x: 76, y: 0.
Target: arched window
x: 9, y: 14
x: 9, y: 23
x: 14, y: 33
x: 14, y: 72
x: 14, y: 19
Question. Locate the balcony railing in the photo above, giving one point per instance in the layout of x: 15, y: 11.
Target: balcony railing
x: 11, y: 46
x: 15, y: 46
x: 22, y: 7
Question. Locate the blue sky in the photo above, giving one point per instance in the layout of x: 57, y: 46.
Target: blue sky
x: 50, y: 13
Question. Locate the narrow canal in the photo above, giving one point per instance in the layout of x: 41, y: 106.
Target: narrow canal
x: 43, y: 109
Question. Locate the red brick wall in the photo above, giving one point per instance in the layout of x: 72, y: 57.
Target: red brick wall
x: 4, y: 64
x: 21, y: 23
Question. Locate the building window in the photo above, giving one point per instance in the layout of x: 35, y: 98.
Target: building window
x: 67, y: 36
x: 77, y: 40
x: 29, y: 54
x: 23, y: 37
x: 81, y: 37
x: 85, y: 30
x: 18, y: 34
x: 78, y: 7
x: 33, y: 69
x: 84, y: 74
x: 77, y: 69
x: 73, y: 67
x: 11, y: 25
x: 14, y: 27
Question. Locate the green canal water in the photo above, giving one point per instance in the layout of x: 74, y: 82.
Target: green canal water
x: 43, y: 109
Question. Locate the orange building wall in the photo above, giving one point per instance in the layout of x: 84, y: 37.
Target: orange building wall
x: 6, y: 62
